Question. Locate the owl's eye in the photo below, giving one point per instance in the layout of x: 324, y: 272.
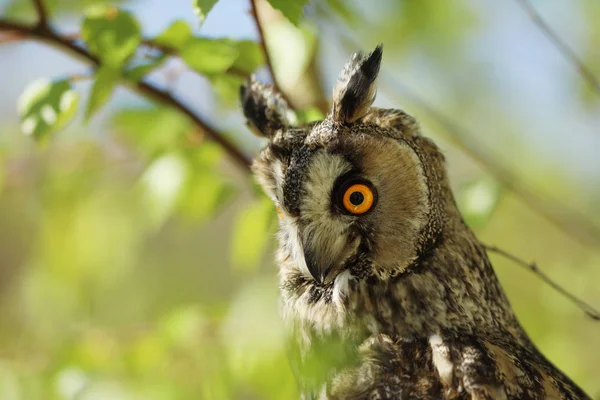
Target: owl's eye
x: 358, y: 197
x: 279, y: 211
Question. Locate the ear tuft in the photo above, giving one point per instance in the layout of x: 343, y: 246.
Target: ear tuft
x: 355, y: 90
x: 265, y: 109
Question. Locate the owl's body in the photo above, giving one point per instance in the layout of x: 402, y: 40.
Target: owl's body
x: 386, y: 292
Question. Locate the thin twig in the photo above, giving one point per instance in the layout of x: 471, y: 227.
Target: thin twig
x: 562, y: 47
x: 268, y: 58
x: 80, y: 77
x: 143, y: 87
x: 589, y: 310
x: 10, y: 37
x: 321, y: 102
x: 41, y: 12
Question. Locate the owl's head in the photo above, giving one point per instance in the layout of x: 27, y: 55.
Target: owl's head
x: 360, y: 191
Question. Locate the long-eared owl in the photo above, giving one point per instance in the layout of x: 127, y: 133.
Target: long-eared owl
x: 386, y: 292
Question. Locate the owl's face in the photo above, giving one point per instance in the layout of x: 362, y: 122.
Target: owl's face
x: 350, y: 191
x: 348, y: 197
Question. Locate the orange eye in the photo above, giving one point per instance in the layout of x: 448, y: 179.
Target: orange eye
x: 279, y: 212
x: 358, y: 199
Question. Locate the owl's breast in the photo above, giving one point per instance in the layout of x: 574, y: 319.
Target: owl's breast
x: 448, y: 368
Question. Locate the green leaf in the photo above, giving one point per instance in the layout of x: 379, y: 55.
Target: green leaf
x: 152, y: 130
x: 182, y: 326
x: 106, y: 80
x: 175, y: 35
x: 291, y: 9
x: 111, y: 34
x: 139, y: 71
x: 310, y: 115
x: 206, y: 190
x: 46, y: 106
x: 251, y: 234
x: 19, y: 9
x: 478, y: 200
x: 204, y: 193
x: 227, y: 88
x: 161, y: 184
x: 202, y: 8
x: 207, y: 156
x: 209, y: 56
x: 250, y: 56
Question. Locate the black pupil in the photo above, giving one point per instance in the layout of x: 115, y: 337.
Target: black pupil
x: 356, y: 198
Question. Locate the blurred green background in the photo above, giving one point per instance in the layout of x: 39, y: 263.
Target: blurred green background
x: 136, y: 257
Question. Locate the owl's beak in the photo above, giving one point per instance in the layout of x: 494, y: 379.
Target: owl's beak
x: 317, y: 267
x: 324, y: 263
x: 326, y: 250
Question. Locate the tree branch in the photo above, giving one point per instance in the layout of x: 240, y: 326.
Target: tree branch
x: 268, y: 60
x: 562, y: 47
x: 10, y: 37
x: 585, y: 307
x: 47, y: 35
x: 41, y: 12
x: 163, y: 96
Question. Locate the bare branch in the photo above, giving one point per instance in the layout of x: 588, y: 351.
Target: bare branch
x: 589, y: 310
x: 314, y: 80
x: 263, y: 44
x: 142, y: 87
x: 80, y: 77
x: 10, y: 37
x: 14, y: 28
x: 41, y: 12
x: 584, y: 70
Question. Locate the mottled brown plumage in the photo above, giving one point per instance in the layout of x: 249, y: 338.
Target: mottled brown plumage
x: 400, y: 302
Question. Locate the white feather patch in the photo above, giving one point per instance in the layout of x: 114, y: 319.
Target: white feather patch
x: 441, y: 359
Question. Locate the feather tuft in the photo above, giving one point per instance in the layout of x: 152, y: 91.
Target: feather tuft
x: 356, y: 88
x: 264, y: 108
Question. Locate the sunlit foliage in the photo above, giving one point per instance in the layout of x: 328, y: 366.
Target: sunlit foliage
x: 136, y: 257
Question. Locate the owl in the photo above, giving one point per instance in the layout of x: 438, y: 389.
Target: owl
x: 385, y: 291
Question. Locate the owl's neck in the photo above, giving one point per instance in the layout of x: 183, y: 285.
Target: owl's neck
x: 454, y: 288
x: 451, y: 289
